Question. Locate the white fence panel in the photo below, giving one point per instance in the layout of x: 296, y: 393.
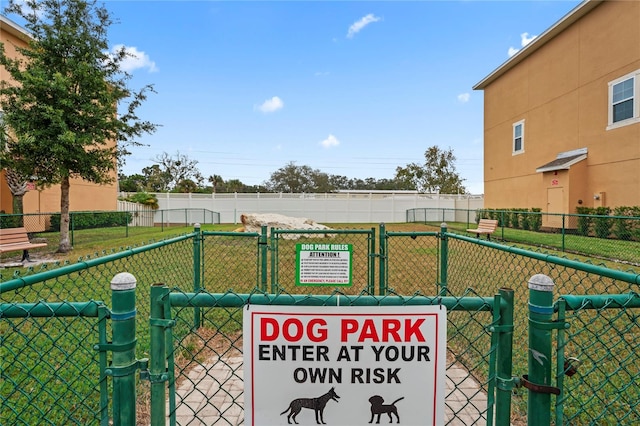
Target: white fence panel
x: 341, y: 207
x: 142, y: 215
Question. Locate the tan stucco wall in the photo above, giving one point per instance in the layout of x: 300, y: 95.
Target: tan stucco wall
x: 83, y: 195
x: 561, y: 91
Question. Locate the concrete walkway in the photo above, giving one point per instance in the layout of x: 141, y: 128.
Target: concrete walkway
x: 213, y: 394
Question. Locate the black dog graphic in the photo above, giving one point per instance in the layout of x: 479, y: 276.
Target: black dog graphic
x: 316, y: 404
x: 379, y: 407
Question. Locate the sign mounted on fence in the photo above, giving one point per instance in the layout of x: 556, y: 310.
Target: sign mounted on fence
x: 344, y: 365
x: 323, y: 264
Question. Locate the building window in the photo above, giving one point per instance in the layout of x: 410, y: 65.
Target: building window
x: 624, y: 100
x: 518, y: 137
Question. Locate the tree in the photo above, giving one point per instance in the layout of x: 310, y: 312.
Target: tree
x: 133, y: 183
x: 177, y: 169
x: 216, y: 181
x: 61, y: 106
x: 292, y: 178
x: 438, y: 174
x: 156, y: 180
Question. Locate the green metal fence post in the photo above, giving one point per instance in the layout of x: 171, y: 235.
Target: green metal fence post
x: 504, y: 363
x: 124, y: 363
x: 540, y: 327
x: 444, y: 256
x: 563, y: 231
x: 197, y: 282
x: 274, y: 262
x: 158, y: 363
x: 264, y: 250
x: 72, y: 226
x: 371, y: 262
x: 382, y: 266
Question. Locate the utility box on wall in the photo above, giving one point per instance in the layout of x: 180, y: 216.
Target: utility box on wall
x: 599, y: 200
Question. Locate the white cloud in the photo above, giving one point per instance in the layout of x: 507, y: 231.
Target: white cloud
x: 271, y: 105
x: 464, y: 97
x: 525, y: 39
x: 513, y: 51
x: 134, y: 59
x: 357, y: 26
x: 330, y: 142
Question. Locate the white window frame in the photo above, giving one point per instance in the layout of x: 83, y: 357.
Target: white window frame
x: 513, y: 138
x: 635, y: 75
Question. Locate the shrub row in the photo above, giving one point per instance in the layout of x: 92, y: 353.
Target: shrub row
x: 527, y: 219
x: 90, y: 220
x: 596, y: 222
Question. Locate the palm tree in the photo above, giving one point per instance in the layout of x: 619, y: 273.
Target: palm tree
x: 18, y: 187
x: 215, y: 180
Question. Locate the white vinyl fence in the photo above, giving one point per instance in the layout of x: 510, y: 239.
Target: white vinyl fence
x: 340, y: 207
x: 142, y: 215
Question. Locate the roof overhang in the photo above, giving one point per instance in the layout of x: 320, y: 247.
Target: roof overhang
x: 578, y: 12
x: 564, y: 161
x: 14, y: 29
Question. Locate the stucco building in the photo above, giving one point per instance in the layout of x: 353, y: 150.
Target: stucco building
x: 84, y: 196
x: 562, y: 116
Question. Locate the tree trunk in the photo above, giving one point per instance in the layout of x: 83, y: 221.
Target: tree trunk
x: 65, y: 244
x: 18, y: 209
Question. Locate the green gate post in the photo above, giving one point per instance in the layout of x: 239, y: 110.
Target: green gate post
x: 540, y: 327
x: 197, y: 283
x: 505, y: 383
x: 274, y: 263
x: 563, y: 233
x: 444, y: 256
x: 124, y: 363
x: 382, y: 266
x: 264, y: 249
x: 158, y: 374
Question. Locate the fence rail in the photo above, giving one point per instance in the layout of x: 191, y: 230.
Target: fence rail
x: 208, y: 277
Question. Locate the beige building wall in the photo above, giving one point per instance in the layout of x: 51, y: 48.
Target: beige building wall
x: 561, y: 91
x: 83, y: 195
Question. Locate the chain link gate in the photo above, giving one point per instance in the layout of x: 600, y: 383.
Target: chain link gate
x: 198, y: 375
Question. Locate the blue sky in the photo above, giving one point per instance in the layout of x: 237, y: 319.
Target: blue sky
x: 351, y: 88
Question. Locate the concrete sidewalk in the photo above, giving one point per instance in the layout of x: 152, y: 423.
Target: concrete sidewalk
x: 217, y: 388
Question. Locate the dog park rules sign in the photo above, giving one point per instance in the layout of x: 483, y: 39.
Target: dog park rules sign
x: 344, y: 365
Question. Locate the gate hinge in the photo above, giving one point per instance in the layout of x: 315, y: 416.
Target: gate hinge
x: 553, y: 325
x: 159, y: 322
x: 103, y: 347
x: 153, y: 378
x: 507, y: 384
x: 120, y: 371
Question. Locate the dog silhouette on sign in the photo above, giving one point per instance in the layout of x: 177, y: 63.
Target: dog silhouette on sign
x: 378, y: 407
x: 316, y: 404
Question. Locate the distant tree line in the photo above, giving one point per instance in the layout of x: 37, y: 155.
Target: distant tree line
x: 179, y: 173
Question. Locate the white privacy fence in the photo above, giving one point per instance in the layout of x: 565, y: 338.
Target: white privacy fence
x: 341, y: 207
x: 141, y: 215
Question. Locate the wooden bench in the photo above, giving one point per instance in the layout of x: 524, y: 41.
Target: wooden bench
x: 486, y: 226
x: 14, y: 239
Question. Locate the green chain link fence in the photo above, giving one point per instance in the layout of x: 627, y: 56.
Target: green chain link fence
x: 89, y: 226
x: 211, y: 274
x: 597, y: 235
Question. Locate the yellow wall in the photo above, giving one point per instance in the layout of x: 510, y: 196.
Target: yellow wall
x: 561, y: 91
x: 83, y: 195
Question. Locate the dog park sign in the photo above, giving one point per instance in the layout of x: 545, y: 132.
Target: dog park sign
x: 344, y: 365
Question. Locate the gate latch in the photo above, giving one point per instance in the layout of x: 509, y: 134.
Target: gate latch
x: 534, y: 387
